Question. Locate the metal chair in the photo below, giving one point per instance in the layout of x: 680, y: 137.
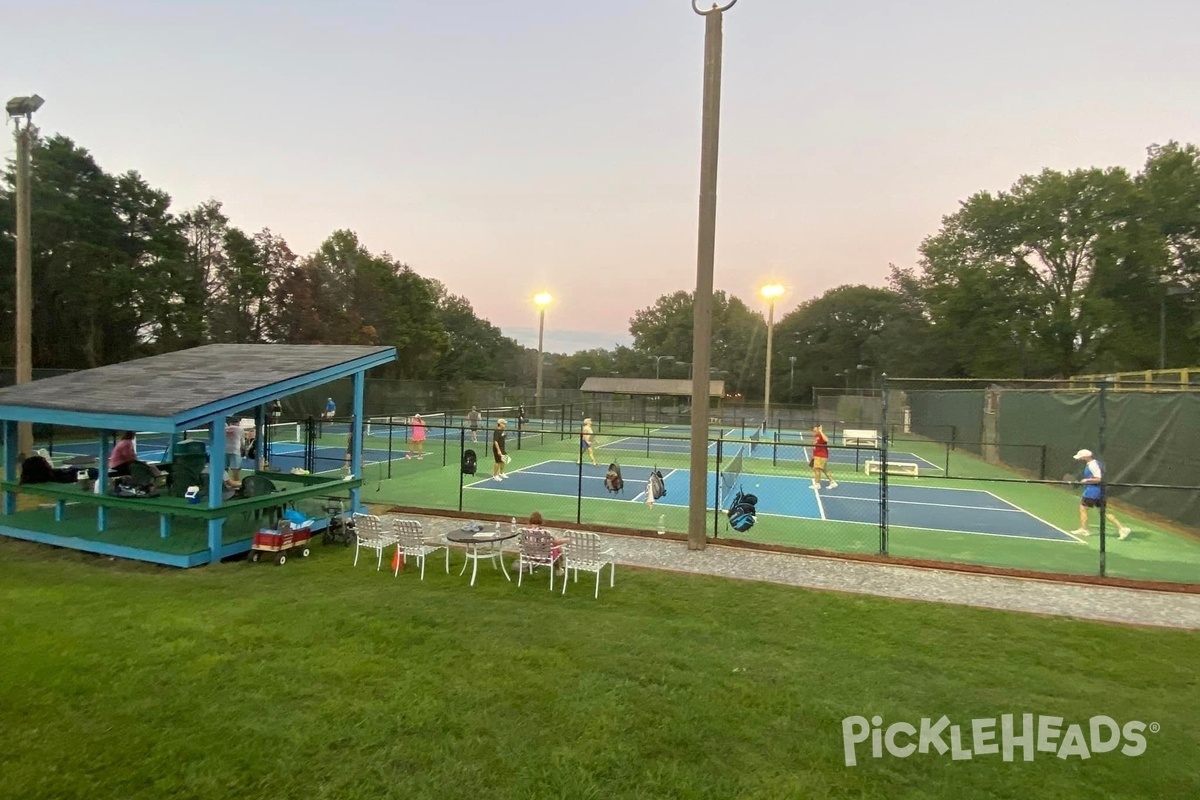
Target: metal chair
x: 536, y: 548
x: 372, y: 534
x: 412, y: 541
x: 584, y: 553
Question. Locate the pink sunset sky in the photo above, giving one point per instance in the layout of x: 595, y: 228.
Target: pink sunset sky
x: 507, y: 148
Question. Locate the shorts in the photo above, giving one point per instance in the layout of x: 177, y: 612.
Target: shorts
x: 233, y: 460
x: 583, y: 445
x: 1092, y: 502
x: 819, y: 462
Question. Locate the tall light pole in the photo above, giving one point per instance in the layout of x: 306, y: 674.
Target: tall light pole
x: 541, y: 300
x: 792, y: 379
x: 702, y: 301
x: 18, y: 108
x: 771, y: 292
x: 863, y: 368
x: 1171, y: 291
x: 658, y: 360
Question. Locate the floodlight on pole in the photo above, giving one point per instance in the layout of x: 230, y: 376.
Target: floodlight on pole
x: 17, y: 109
x: 657, y: 362
x: 771, y: 292
x: 541, y: 300
x: 1170, y: 290
x: 792, y: 379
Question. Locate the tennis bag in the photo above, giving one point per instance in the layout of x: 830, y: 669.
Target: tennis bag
x: 469, y: 462
x: 743, y: 511
x: 658, y: 487
x: 613, y: 480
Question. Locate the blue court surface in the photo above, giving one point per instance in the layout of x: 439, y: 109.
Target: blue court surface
x: 765, y: 449
x: 926, y: 507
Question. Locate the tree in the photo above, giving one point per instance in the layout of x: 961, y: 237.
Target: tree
x: 1025, y: 275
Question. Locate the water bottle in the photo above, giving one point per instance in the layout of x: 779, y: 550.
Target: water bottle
x: 662, y: 524
x: 512, y: 526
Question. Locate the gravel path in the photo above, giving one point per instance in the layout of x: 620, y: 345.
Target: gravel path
x: 1102, y: 603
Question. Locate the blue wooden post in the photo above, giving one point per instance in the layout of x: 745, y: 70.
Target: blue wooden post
x: 164, y: 525
x: 102, y: 481
x: 216, y: 484
x: 10, y: 464
x: 356, y: 458
x: 60, y: 510
x: 260, y: 424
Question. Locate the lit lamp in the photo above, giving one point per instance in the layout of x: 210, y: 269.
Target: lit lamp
x: 541, y: 300
x: 771, y: 292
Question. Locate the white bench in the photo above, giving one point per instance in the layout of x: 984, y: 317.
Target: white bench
x: 893, y: 468
x: 860, y: 438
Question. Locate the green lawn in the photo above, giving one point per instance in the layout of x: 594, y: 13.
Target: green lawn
x: 1155, y: 552
x: 319, y: 680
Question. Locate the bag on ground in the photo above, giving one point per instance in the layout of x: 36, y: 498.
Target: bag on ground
x: 470, y: 462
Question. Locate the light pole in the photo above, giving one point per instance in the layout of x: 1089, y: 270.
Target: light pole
x: 863, y: 368
x: 541, y: 300
x: 18, y: 108
x: 792, y: 378
x: 658, y: 360
x: 771, y: 292
x: 1171, y: 291
x: 702, y: 300
x: 580, y: 376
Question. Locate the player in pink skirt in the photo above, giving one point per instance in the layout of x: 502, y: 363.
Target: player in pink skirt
x: 418, y: 438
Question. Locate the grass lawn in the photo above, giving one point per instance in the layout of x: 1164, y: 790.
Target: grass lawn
x: 1155, y: 552
x: 319, y: 680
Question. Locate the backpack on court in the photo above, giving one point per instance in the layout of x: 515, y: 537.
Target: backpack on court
x: 658, y: 487
x: 613, y: 480
x: 469, y: 462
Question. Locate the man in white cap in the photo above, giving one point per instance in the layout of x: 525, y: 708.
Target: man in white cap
x: 1093, y: 495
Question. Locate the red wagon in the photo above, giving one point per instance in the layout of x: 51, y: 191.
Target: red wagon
x: 281, y: 542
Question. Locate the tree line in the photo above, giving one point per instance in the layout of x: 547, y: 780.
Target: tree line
x: 118, y: 274
x: 1064, y: 273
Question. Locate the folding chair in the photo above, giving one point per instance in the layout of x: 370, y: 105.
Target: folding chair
x: 411, y: 539
x: 584, y: 553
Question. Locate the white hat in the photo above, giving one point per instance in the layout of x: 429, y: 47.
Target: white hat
x: 1083, y: 455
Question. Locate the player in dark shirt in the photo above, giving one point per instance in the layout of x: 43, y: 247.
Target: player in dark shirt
x: 498, y: 452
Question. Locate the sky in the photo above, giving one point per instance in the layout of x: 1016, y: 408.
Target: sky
x: 508, y: 148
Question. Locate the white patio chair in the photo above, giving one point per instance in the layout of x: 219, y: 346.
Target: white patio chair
x: 536, y: 548
x: 412, y: 541
x: 584, y: 553
x: 372, y: 534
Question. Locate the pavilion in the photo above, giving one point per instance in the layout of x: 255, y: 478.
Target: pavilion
x: 171, y: 394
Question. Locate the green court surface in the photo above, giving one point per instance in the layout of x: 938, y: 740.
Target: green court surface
x: 1156, y: 550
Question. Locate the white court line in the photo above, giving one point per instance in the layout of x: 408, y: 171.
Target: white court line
x: 891, y: 526
x: 1035, y: 516
x: 820, y: 505
x: 938, y: 505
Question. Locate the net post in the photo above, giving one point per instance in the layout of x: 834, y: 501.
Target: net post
x: 579, y: 487
x: 391, y: 426
x: 1042, y: 465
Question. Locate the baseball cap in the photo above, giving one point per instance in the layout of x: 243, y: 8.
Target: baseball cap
x: 1083, y: 454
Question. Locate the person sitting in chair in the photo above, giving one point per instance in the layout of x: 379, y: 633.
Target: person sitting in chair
x: 124, y: 453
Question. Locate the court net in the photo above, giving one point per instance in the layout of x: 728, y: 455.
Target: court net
x: 731, y: 474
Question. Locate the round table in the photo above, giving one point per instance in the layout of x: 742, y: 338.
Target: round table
x: 476, y: 550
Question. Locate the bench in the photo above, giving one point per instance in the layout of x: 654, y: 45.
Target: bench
x: 908, y: 468
x: 860, y: 438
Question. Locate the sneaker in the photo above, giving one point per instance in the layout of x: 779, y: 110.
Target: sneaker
x: 559, y: 572
x: 1123, y: 533
x: 1082, y: 532
x: 833, y: 484
x: 496, y: 478
x: 502, y: 477
x: 408, y: 456
x: 816, y: 484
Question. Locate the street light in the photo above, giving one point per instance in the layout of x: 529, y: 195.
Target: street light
x: 863, y: 368
x: 18, y: 108
x: 792, y: 379
x: 844, y: 374
x: 771, y: 292
x: 541, y: 300
x: 657, y: 360
x: 1172, y: 290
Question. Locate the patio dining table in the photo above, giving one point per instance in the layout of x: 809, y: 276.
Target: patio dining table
x: 482, y: 545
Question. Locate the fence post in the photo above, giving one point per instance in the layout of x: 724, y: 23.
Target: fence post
x: 391, y: 427
x: 883, y: 476
x: 462, y: 442
x: 717, y: 486
x: 579, y: 489
x: 1103, y: 481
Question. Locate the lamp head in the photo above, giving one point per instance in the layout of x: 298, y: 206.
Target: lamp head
x: 542, y: 299
x: 23, y: 106
x: 771, y: 292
